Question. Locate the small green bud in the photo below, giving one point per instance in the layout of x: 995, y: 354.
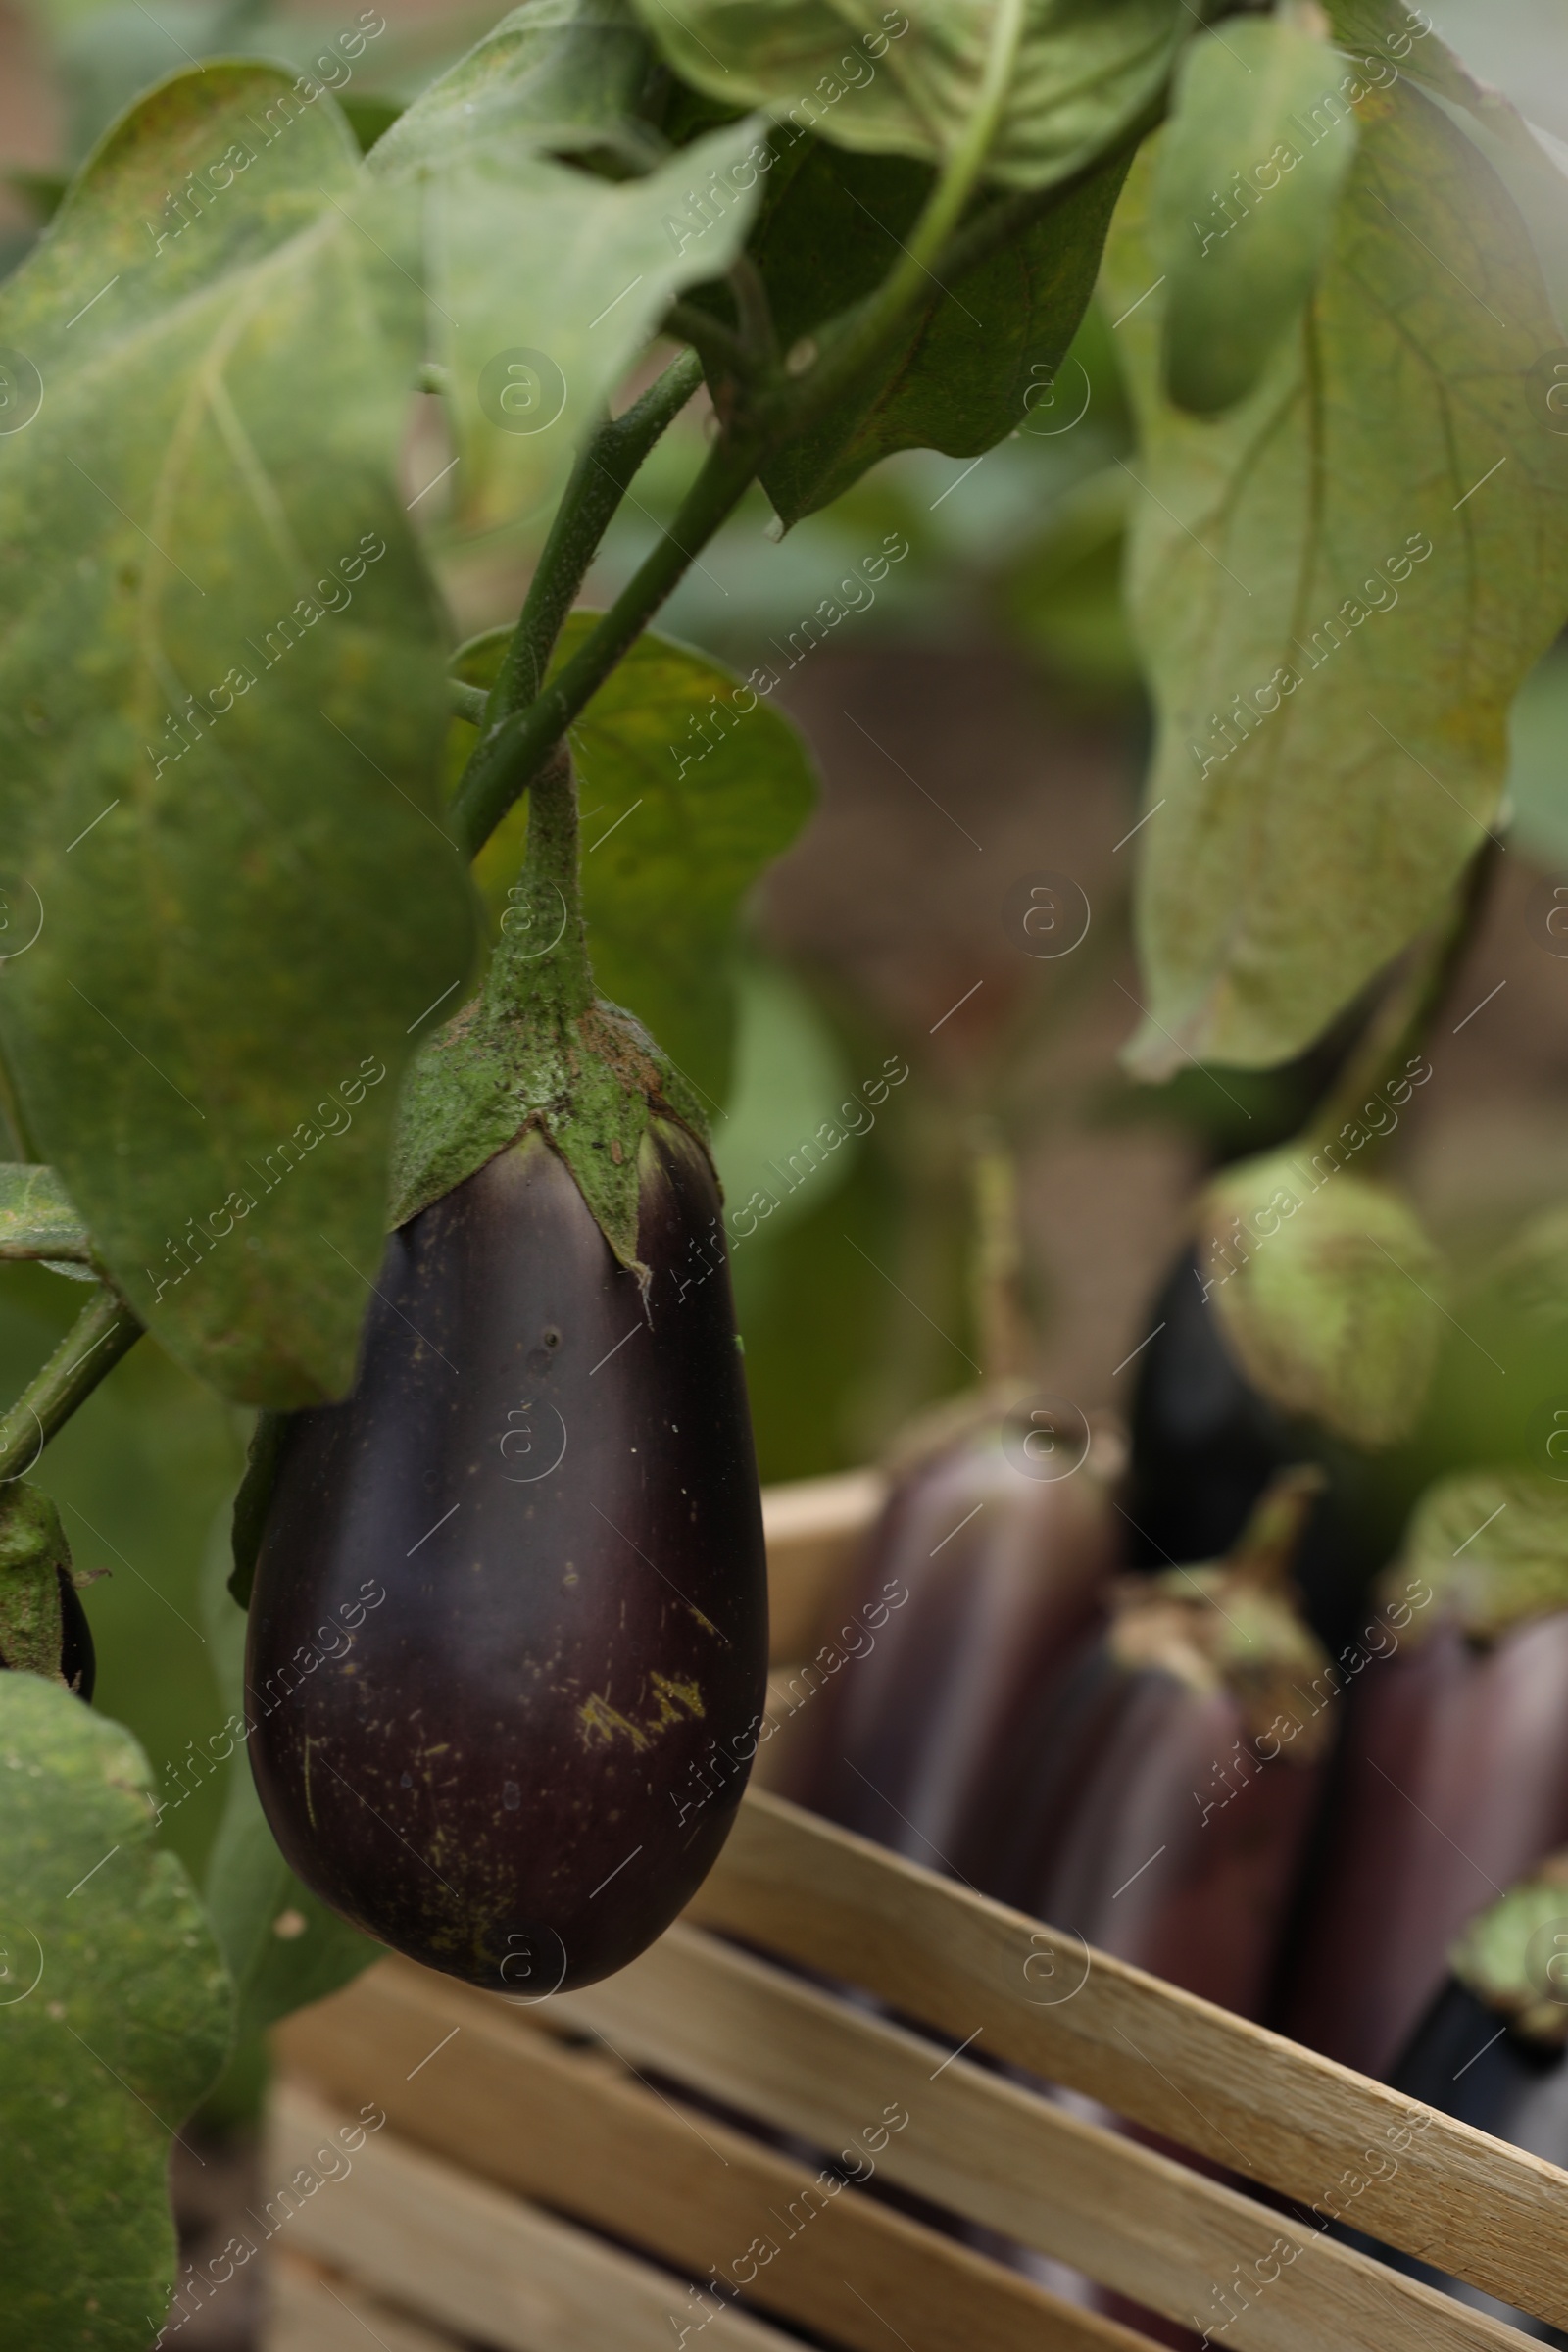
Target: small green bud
x: 1323, y: 1283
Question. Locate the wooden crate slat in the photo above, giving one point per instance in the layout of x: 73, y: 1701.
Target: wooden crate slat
x: 744, y: 2032
x: 813, y: 1527
x: 309, y: 2311
x: 465, y: 2076
x: 479, y: 2261
x: 1254, y: 2101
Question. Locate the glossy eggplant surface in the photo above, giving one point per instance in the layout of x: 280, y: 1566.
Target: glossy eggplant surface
x: 511, y: 1598
x: 1452, y: 1782
x: 975, y: 1584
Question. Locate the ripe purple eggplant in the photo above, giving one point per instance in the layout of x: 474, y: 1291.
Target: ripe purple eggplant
x: 1489, y: 2051
x: 512, y: 1593
x: 1453, y: 1774
x: 1162, y: 1810
x: 43, y: 1626
x: 514, y: 1588
x: 980, y: 1577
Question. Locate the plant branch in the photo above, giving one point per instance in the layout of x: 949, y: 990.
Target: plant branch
x: 507, y: 758
x: 719, y: 347
x: 599, y: 481
x: 101, y: 1335
x: 856, y: 343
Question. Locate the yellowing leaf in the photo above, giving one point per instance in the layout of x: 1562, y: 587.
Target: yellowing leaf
x: 1337, y: 588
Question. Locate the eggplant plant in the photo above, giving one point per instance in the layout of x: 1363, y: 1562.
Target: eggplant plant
x: 411, y: 1188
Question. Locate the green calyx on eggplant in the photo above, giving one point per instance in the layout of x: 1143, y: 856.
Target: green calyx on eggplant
x: 1489, y: 2051
x: 1161, y: 1808
x: 1323, y: 1280
x: 43, y: 1626
x: 984, y: 1571
x: 1453, y: 1773
x: 506, y: 1656
x: 1205, y: 1442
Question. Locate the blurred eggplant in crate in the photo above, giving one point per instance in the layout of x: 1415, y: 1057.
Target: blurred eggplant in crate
x: 992, y: 1555
x: 1205, y: 1442
x: 1491, y: 2048
x: 1161, y: 1808
x: 1454, y: 1777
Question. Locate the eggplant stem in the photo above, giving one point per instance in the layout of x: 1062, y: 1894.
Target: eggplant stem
x: 1265, y: 1550
x: 106, y: 1328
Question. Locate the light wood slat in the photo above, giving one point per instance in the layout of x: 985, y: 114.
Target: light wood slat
x: 311, y: 2311
x: 745, y: 2032
x: 475, y: 2259
x: 505, y: 2100
x: 1257, y: 2103
x: 813, y: 1527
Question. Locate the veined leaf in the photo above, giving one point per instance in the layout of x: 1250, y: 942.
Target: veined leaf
x: 546, y: 282
x: 36, y: 1218
x: 690, y: 784
x: 114, y: 2020
x: 1251, y: 167
x: 967, y: 373
x: 1385, y: 31
x: 904, y: 80
x: 221, y: 710
x: 1337, y: 588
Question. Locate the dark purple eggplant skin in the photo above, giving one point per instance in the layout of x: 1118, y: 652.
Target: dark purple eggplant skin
x: 555, y: 1489
x: 78, y: 1661
x: 1459, y: 2062
x: 1452, y: 1782
x: 1205, y: 1444
x: 1109, y: 1841
x: 974, y: 1586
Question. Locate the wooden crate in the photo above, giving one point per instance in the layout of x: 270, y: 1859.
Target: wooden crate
x: 543, y: 2182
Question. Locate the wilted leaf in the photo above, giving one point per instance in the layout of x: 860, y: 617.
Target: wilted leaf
x: 690, y: 784
x: 1337, y: 588
x: 1249, y: 169
x: 1323, y: 1283
x: 221, y: 710
x: 980, y: 365
x: 904, y: 80
x: 36, y: 1218
x: 114, y: 2019
x: 544, y: 283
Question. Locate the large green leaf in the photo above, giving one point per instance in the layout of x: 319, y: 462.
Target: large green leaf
x: 221, y: 710
x: 545, y: 281
x: 904, y: 80
x: 690, y: 784
x: 974, y: 368
x: 1337, y: 588
x: 283, y: 1948
x: 114, y: 2019
x: 1251, y: 167
x: 557, y: 74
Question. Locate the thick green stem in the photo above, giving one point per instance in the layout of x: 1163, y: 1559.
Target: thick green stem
x: 599, y: 482
x: 541, y: 965
x: 95, y: 1343
x: 509, y: 758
